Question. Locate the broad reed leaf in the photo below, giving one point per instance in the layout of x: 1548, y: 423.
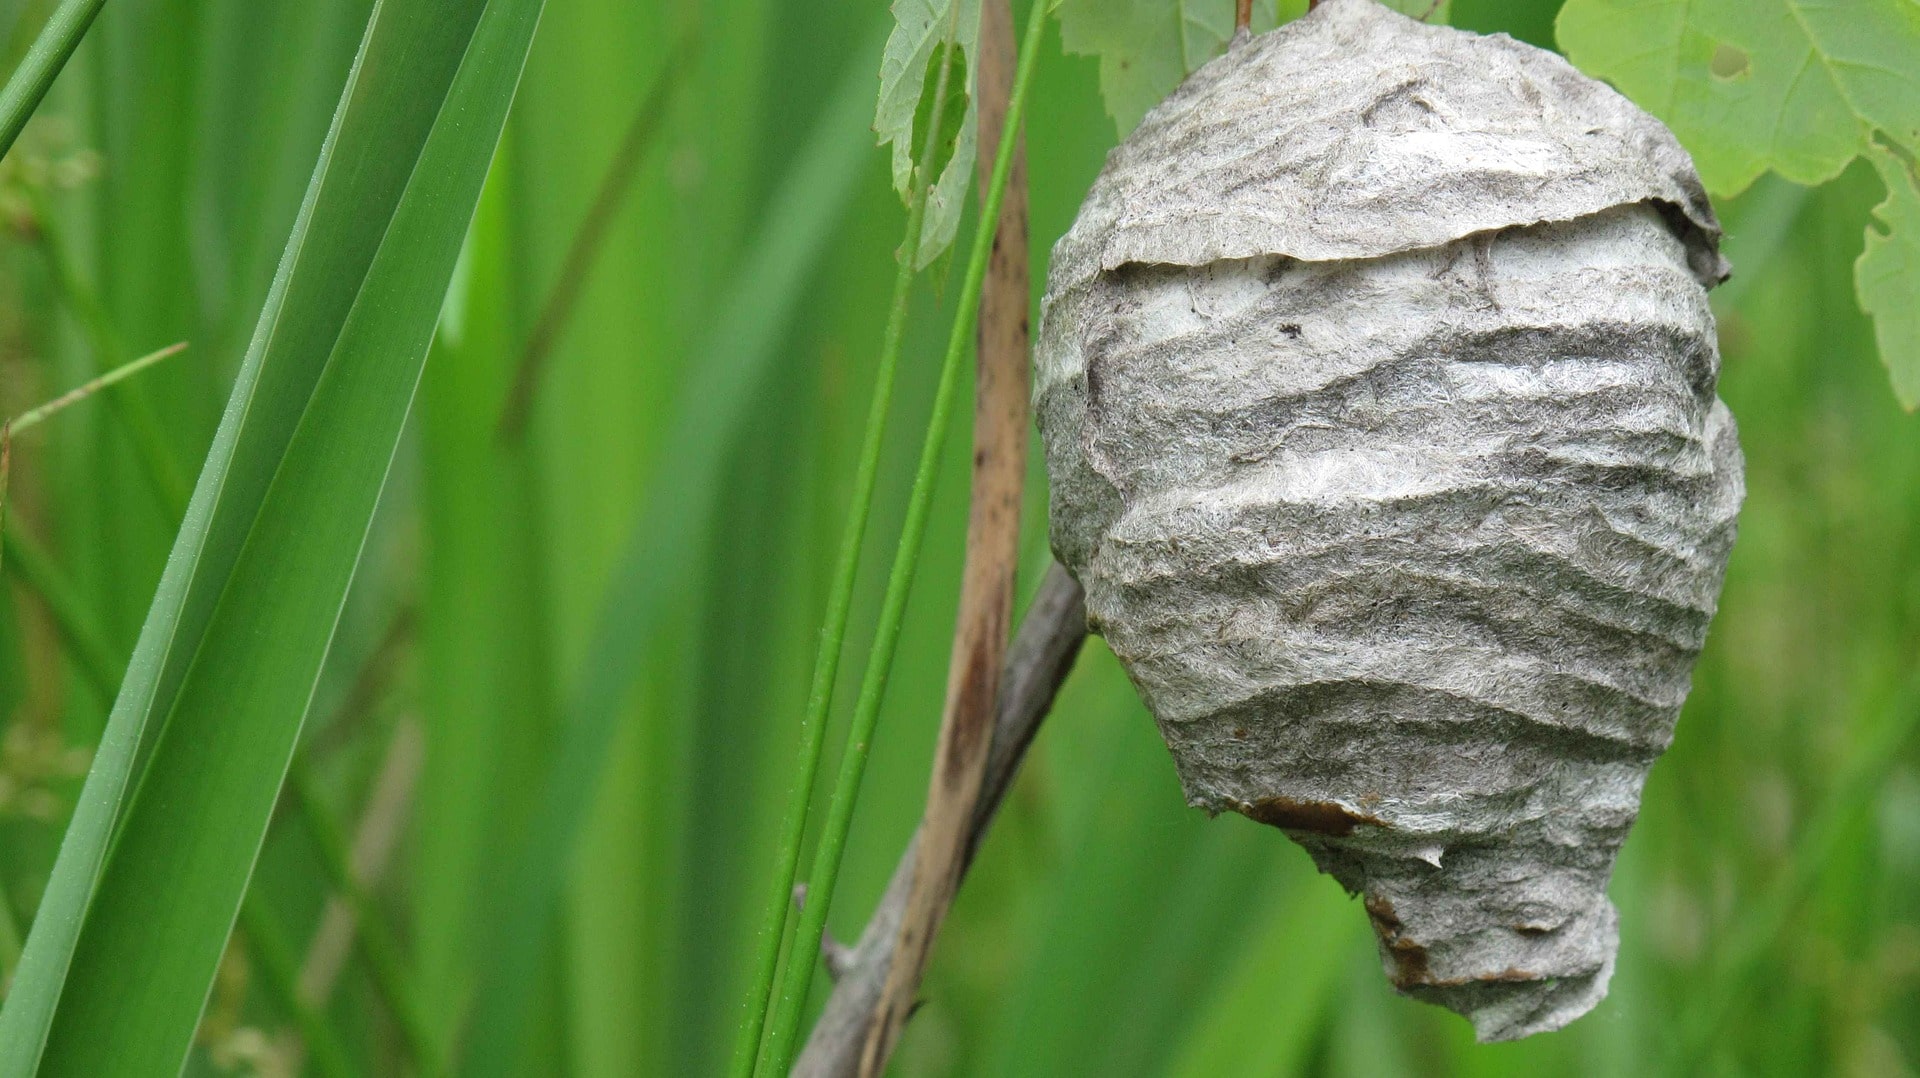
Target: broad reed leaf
x: 153, y: 866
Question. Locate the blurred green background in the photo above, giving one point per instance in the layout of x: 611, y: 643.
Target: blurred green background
x: 1769, y: 897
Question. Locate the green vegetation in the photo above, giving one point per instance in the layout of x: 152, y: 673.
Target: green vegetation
x: 483, y: 732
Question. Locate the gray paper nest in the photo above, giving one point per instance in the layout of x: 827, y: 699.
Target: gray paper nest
x: 1377, y: 383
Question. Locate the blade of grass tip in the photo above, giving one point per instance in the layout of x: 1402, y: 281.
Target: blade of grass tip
x: 1000, y: 425
x: 45, y: 57
x: 833, y: 838
x: 655, y: 565
x: 266, y: 940
x: 833, y: 632
x: 1765, y: 921
x: 591, y: 235
x: 1264, y: 1014
x: 246, y: 608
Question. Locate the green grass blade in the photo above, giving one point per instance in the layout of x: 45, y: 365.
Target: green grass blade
x: 232, y: 646
x: 659, y: 559
x: 1757, y: 935
x: 29, y: 563
x: 833, y: 633
x: 1264, y: 1012
x: 42, y: 63
x: 873, y: 688
x: 9, y: 934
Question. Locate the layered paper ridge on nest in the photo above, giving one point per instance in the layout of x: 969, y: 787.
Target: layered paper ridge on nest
x: 1378, y: 385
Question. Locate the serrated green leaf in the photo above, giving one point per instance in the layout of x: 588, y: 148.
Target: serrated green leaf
x: 1800, y: 87
x: 154, y: 864
x: 1887, y: 275
x: 1797, y: 86
x: 908, y: 68
x: 1147, y: 47
x: 953, y: 112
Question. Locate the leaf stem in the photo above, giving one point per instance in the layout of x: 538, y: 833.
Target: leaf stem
x: 760, y: 1000
x: 833, y: 839
x: 267, y: 943
x: 142, y: 423
x: 371, y: 932
x: 34, y: 416
x: 41, y: 65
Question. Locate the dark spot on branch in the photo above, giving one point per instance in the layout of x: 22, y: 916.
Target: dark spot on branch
x: 974, y: 714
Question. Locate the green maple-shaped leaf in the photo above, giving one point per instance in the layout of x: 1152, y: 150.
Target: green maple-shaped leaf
x: 1146, y: 47
x: 1888, y: 273
x: 1797, y: 86
x: 908, y: 75
x: 1801, y: 87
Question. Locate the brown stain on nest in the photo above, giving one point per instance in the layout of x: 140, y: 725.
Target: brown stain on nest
x: 1409, y: 958
x: 1510, y: 975
x: 1410, y: 968
x: 1318, y: 817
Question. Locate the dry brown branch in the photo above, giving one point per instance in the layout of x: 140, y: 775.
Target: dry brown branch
x: 993, y: 551
x: 1042, y: 653
x: 373, y: 843
x: 381, y: 825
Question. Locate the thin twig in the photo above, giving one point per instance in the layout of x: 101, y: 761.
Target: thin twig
x: 1243, y: 17
x: 386, y: 965
x: 372, y: 850
x: 370, y: 685
x: 762, y: 998
x: 91, y: 386
x: 33, y: 416
x: 1049, y: 640
x: 350, y: 913
x: 906, y: 563
x: 266, y: 941
x: 138, y: 418
x: 993, y: 542
x: 642, y: 132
